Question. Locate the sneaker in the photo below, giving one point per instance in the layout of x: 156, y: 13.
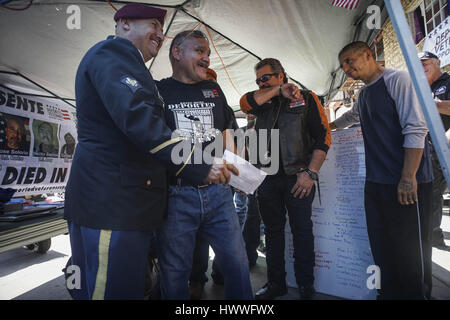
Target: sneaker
x: 306, y: 292
x: 270, y: 291
x: 196, y: 290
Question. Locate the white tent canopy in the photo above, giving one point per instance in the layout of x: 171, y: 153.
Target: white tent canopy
x: 305, y: 35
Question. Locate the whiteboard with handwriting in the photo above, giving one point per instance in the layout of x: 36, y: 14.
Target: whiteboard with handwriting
x: 341, y: 245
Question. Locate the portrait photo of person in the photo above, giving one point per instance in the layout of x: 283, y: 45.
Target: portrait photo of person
x: 14, y: 133
x: 45, y: 139
x: 68, y: 148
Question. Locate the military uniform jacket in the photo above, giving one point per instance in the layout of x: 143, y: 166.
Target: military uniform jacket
x: 118, y: 178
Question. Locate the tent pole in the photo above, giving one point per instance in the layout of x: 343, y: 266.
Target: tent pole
x: 333, y: 74
x: 248, y: 51
x: 126, y: 2
x: 32, y: 94
x: 38, y: 85
x: 421, y: 85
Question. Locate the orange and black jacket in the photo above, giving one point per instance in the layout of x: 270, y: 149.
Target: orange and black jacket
x: 302, y: 123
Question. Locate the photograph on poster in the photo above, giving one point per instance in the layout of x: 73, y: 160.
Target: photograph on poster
x: 14, y: 134
x: 45, y: 139
x: 68, y: 147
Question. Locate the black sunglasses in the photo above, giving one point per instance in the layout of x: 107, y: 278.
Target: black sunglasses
x: 265, y: 77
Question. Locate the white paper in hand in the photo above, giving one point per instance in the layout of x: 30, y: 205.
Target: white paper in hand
x: 249, y: 177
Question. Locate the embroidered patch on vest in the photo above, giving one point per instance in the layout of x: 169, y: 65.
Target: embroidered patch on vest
x: 131, y: 83
x: 297, y: 103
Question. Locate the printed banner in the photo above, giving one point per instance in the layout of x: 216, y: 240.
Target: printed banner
x: 437, y: 42
x: 37, y: 143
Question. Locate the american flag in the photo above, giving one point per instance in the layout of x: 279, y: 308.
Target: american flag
x: 347, y: 4
x: 65, y: 114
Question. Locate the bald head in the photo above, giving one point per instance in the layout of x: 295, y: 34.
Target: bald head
x: 357, y: 62
x: 356, y: 47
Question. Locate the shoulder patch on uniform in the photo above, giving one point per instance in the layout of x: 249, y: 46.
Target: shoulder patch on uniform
x: 131, y: 83
x: 440, y: 90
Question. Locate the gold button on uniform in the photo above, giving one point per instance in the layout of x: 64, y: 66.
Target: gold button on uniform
x: 149, y: 182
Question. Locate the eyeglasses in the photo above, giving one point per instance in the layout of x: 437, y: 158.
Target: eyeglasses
x: 193, y: 33
x: 265, y: 77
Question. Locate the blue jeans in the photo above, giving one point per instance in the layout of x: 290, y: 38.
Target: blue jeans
x: 201, y: 251
x: 240, y: 201
x: 200, y: 260
x: 274, y: 197
x: 210, y: 212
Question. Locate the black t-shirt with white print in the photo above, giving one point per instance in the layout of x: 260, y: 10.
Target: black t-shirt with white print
x: 199, y: 111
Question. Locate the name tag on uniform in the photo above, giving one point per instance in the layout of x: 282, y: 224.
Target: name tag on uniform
x: 131, y: 83
x: 297, y: 103
x: 440, y: 90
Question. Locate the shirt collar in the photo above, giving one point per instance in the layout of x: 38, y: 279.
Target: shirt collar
x: 141, y: 55
x: 113, y: 37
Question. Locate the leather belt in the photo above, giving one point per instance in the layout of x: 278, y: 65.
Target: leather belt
x: 185, y: 183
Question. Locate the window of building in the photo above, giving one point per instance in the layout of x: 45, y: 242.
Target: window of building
x: 435, y: 12
x: 377, y: 47
x: 418, y: 23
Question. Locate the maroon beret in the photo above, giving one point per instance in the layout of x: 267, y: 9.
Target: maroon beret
x: 140, y: 11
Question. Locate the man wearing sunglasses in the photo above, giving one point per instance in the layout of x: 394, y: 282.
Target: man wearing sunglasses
x: 304, y: 138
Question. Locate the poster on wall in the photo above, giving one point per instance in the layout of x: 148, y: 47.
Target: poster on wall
x: 37, y: 143
x: 437, y: 42
x: 341, y: 243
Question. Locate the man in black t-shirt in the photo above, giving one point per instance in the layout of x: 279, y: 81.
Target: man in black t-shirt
x: 197, y: 109
x: 440, y: 87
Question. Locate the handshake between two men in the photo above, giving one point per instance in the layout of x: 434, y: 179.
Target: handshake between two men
x: 220, y: 173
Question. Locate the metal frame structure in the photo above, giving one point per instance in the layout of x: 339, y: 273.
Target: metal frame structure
x: 52, y: 96
x: 420, y: 82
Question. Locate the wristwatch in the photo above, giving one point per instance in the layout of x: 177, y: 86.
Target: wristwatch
x: 311, y: 174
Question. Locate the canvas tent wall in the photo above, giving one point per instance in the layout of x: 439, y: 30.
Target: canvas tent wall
x: 305, y: 35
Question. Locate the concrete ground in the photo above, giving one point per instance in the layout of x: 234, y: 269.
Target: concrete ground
x: 27, y: 275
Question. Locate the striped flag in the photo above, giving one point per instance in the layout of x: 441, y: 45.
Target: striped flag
x: 65, y: 114
x: 347, y: 4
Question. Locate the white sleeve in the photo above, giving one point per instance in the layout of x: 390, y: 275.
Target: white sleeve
x: 348, y: 118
